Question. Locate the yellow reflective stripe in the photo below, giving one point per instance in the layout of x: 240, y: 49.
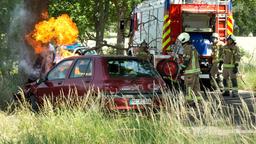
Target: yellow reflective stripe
x: 234, y: 88
x: 230, y: 32
x: 192, y: 71
x: 166, y: 16
x: 166, y: 25
x: 166, y: 42
x: 228, y: 65
x: 193, y: 60
x: 215, y: 61
x: 230, y: 26
x: 189, y: 92
x: 226, y: 88
x: 166, y: 33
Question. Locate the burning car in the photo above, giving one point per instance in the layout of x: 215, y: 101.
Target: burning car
x: 128, y: 83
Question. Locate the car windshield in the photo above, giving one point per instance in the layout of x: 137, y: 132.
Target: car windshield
x: 130, y: 68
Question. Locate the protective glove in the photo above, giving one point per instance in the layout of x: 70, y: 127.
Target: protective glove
x: 235, y: 69
x: 220, y: 65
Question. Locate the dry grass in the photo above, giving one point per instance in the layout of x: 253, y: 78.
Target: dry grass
x: 208, y: 121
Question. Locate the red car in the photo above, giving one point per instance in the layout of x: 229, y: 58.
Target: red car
x: 130, y: 83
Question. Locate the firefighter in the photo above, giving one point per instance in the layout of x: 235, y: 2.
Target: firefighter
x: 216, y: 76
x: 190, y: 66
x: 230, y: 58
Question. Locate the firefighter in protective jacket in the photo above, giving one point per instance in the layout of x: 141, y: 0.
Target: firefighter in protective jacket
x: 230, y: 58
x: 216, y: 77
x: 190, y: 66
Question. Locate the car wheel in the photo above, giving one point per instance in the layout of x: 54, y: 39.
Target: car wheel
x: 33, y: 103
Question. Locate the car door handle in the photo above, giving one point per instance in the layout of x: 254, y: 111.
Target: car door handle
x: 59, y: 83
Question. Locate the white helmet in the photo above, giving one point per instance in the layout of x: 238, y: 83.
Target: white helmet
x: 184, y: 37
x: 215, y: 35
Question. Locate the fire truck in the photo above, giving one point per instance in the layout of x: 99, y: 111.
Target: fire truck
x: 199, y: 18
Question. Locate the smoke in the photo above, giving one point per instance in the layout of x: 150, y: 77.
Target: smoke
x: 18, y: 28
x: 24, y: 16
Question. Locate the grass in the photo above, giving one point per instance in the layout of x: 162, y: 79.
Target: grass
x: 209, y: 121
x: 8, y: 85
x: 248, y: 77
x: 206, y: 122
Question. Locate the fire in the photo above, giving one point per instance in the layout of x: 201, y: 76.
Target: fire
x: 62, y: 30
x: 50, y: 36
x: 44, y: 31
x: 66, y: 31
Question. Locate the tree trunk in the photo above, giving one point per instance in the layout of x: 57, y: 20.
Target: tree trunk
x: 101, y: 17
x: 120, y: 32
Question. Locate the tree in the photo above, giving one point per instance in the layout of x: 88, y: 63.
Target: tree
x: 7, y: 59
x: 89, y: 15
x: 96, y: 16
x: 244, y: 15
x: 122, y: 11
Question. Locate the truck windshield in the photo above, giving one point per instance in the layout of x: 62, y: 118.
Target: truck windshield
x: 200, y: 1
x: 130, y: 68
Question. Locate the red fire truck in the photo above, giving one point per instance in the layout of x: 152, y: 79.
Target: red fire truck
x: 199, y: 18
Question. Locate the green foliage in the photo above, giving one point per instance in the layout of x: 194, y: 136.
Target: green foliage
x: 80, y: 12
x: 244, y: 15
x: 85, y: 13
x: 7, y: 62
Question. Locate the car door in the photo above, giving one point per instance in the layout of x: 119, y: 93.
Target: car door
x: 53, y: 85
x: 80, y: 77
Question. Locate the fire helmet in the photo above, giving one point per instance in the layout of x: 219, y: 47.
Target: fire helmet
x: 184, y: 37
x: 215, y: 35
x: 232, y: 37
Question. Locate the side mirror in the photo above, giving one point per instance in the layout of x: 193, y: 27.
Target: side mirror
x: 41, y: 80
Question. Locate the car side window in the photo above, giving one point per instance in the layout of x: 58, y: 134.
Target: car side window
x: 60, y: 71
x: 82, y: 68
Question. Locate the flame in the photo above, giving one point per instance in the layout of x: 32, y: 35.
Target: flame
x: 62, y: 30
x: 59, y: 31
x: 65, y: 53
x: 38, y: 47
x: 44, y: 31
x: 66, y: 31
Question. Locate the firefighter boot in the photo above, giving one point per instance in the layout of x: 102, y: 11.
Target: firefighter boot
x: 234, y: 87
x: 226, y: 88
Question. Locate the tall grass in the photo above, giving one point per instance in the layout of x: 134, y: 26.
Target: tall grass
x: 208, y: 121
x: 8, y: 86
x: 247, y: 77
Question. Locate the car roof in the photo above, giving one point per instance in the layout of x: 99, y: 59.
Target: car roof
x: 102, y: 56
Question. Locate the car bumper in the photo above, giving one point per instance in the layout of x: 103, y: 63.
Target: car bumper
x: 134, y: 102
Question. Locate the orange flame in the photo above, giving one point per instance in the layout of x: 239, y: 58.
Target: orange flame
x: 38, y: 47
x: 62, y: 30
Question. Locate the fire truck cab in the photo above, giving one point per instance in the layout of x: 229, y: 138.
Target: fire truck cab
x: 199, y: 18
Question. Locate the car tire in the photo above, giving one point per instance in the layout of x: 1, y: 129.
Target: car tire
x: 33, y: 103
